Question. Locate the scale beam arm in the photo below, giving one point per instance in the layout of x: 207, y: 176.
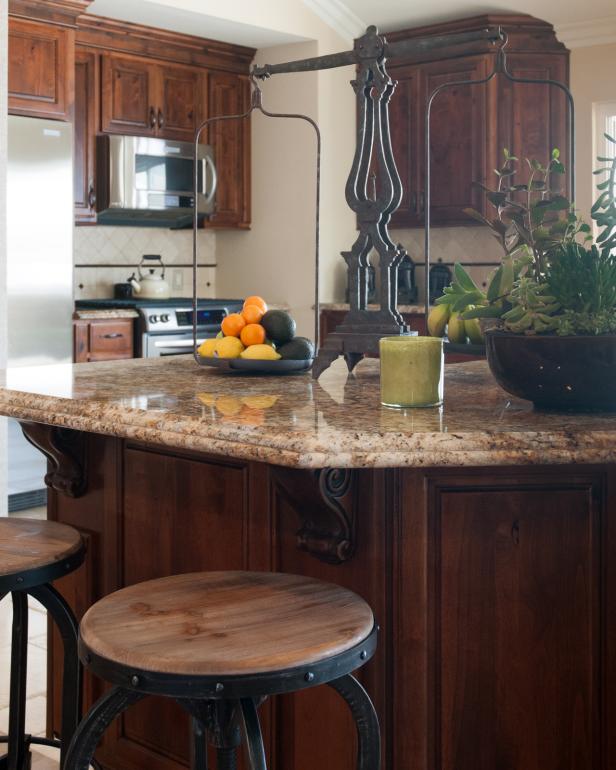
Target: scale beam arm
x: 373, y: 46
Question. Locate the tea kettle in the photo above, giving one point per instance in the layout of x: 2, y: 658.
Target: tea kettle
x: 151, y: 285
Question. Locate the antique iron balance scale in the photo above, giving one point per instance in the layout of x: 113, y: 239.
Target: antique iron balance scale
x: 362, y: 328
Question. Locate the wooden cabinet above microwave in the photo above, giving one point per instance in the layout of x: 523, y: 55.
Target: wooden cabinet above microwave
x: 151, y: 99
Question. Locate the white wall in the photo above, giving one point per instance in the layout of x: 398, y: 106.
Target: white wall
x: 276, y: 257
x: 3, y: 126
x: 592, y: 80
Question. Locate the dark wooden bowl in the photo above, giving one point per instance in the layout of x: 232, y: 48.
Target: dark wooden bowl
x: 561, y: 373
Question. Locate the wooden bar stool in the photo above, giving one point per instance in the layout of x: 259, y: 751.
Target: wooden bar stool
x: 33, y: 553
x: 219, y: 643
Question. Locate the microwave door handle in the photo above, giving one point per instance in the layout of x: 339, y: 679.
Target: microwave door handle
x: 209, y: 196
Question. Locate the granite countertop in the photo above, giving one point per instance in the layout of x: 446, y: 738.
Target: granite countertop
x: 296, y: 421
x: 345, y: 306
x: 93, y: 315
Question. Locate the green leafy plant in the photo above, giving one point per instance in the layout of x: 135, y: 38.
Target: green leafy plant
x: 552, y: 279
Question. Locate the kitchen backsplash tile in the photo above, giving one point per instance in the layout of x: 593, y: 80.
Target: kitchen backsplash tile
x: 470, y: 245
x: 108, y: 245
x: 97, y: 282
x: 104, y: 255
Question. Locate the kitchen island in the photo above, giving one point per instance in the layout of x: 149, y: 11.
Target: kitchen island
x: 483, y: 534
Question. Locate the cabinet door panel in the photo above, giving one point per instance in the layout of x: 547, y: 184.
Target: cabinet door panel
x: 403, y: 122
x: 181, y: 97
x: 40, y: 69
x: 229, y: 95
x: 128, y: 96
x: 502, y: 646
x: 85, y: 125
x: 532, y: 118
x: 457, y: 138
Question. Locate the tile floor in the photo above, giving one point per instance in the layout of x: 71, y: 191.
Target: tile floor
x: 43, y: 757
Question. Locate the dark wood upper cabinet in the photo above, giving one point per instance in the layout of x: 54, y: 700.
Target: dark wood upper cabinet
x: 230, y: 95
x: 470, y: 125
x: 124, y: 87
x: 40, y: 69
x: 86, y: 123
x: 182, y: 102
x: 129, y: 97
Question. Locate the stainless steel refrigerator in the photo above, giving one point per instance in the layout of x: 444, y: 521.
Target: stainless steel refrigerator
x: 39, y: 272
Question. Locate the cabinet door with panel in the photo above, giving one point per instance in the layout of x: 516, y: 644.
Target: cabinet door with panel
x: 40, y: 69
x: 532, y: 119
x: 86, y: 123
x: 180, y: 103
x: 129, y: 95
x: 404, y: 119
x: 229, y: 95
x: 457, y: 138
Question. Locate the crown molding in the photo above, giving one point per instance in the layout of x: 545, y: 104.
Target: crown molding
x: 582, y: 34
x: 338, y: 16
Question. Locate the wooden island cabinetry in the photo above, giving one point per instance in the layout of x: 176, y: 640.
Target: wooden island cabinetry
x: 472, y: 124
x: 483, y: 536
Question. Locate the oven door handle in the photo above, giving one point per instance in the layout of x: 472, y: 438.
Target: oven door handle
x: 209, y: 196
x: 175, y: 345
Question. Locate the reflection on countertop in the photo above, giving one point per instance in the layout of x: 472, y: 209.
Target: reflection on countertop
x: 296, y: 421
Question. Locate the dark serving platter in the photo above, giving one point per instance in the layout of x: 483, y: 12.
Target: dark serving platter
x: 253, y: 366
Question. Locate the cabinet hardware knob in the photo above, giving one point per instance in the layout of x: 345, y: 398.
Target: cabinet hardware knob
x: 161, y: 120
x: 152, y: 117
x: 91, y: 196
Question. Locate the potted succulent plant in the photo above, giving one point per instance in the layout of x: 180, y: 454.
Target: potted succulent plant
x: 549, y: 311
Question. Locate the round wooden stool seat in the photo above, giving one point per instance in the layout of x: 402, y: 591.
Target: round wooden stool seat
x: 225, y: 624
x: 36, y: 551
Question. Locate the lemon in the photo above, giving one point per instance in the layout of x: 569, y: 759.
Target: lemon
x: 261, y: 353
x: 260, y: 402
x: 228, y: 347
x: 206, y: 348
x: 207, y: 398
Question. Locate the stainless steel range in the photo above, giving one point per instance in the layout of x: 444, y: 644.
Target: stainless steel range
x: 167, y: 330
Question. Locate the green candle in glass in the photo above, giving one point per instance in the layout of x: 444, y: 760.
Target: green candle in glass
x: 411, y: 371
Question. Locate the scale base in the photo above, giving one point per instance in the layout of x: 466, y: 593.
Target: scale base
x: 353, y: 346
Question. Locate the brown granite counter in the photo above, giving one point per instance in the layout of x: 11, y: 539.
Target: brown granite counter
x: 295, y: 421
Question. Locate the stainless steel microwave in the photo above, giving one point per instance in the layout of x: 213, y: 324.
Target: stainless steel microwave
x: 143, y: 180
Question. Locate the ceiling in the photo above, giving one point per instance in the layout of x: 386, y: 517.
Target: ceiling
x: 397, y: 14
x: 276, y: 22
x: 189, y: 18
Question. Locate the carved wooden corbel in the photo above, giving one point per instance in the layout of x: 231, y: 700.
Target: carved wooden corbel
x: 65, y: 450
x: 325, y: 501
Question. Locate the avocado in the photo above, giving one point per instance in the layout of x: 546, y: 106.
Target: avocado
x: 298, y: 349
x: 279, y: 326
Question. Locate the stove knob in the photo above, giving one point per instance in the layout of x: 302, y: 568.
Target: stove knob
x: 164, y: 318
x: 153, y: 319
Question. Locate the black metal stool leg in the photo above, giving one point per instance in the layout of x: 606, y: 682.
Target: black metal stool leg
x: 226, y: 758
x: 366, y: 721
x: 94, y: 724
x: 18, y: 756
x: 198, y: 754
x: 252, y: 735
x: 64, y: 619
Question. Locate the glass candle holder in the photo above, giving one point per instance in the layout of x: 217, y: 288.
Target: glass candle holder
x: 411, y: 371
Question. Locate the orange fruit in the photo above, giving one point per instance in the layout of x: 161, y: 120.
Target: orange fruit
x: 232, y: 325
x: 252, y: 334
x: 258, y: 301
x: 252, y: 314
